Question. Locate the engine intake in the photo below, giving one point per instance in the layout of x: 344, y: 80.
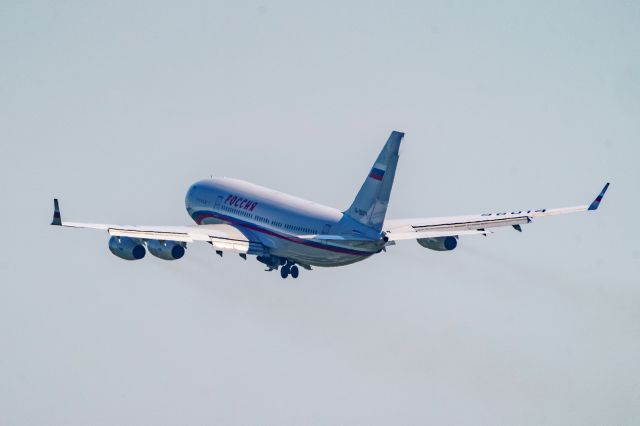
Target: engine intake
x: 127, y: 248
x: 439, y: 243
x: 167, y: 250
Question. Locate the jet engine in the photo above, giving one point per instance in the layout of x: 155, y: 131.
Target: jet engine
x: 167, y: 250
x: 439, y: 243
x: 127, y: 248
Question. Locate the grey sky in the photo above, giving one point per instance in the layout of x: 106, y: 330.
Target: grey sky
x: 116, y: 107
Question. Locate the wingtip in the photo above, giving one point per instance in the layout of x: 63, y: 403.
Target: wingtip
x: 57, y: 220
x: 596, y: 203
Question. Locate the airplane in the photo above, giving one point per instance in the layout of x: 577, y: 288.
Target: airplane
x: 285, y: 232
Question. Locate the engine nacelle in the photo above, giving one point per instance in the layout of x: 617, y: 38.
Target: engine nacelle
x: 167, y: 250
x: 439, y: 243
x: 127, y: 248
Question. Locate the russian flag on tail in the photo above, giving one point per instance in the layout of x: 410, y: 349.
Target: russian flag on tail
x: 377, y: 173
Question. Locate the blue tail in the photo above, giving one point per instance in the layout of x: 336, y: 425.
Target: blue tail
x: 370, y: 205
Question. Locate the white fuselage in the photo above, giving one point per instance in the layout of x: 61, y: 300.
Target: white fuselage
x: 283, y: 225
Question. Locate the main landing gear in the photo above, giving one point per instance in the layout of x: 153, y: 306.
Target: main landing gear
x: 289, y: 269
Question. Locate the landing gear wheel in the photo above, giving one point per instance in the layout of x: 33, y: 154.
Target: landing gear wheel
x: 294, y: 271
x: 284, y: 271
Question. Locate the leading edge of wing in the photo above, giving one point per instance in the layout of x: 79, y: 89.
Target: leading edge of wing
x: 187, y: 234
x: 455, y: 224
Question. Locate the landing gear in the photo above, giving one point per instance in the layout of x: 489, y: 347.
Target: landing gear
x: 284, y: 272
x: 289, y: 269
x: 294, y: 271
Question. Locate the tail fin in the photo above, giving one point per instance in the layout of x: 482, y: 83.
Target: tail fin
x: 370, y: 205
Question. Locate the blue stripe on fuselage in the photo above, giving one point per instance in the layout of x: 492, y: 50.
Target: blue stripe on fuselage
x: 200, y: 215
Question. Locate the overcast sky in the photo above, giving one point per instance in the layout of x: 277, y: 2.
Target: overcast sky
x: 117, y: 107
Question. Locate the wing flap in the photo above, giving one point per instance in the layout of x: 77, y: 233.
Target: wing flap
x: 472, y: 225
x: 399, y: 236
x: 152, y: 234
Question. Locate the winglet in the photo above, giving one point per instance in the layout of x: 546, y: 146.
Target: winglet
x: 594, y: 205
x: 56, y: 213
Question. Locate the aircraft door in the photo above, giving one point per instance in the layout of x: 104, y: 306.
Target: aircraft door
x: 218, y: 202
x: 326, y: 229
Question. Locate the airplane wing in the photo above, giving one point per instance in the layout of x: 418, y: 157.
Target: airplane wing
x: 406, y: 229
x: 221, y: 237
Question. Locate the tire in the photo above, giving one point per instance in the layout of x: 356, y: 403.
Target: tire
x: 284, y: 272
x: 295, y: 271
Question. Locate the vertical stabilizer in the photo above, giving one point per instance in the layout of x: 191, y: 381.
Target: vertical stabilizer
x: 370, y: 205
